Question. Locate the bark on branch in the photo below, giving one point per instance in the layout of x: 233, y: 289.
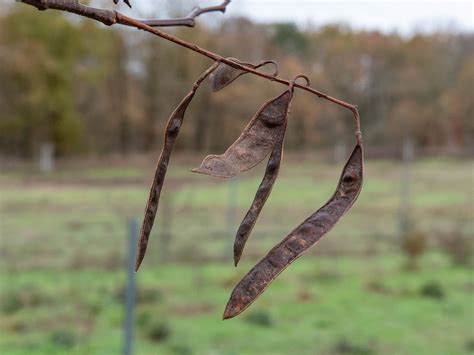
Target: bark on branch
x: 107, y: 17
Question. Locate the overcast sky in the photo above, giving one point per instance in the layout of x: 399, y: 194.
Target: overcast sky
x: 402, y: 16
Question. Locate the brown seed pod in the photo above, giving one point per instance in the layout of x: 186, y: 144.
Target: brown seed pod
x: 225, y: 74
x: 171, y: 133
x: 264, y: 190
x: 301, y: 238
x: 255, y: 142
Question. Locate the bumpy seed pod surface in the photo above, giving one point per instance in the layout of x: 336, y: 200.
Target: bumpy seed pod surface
x: 171, y: 133
x: 255, y: 142
x: 301, y: 238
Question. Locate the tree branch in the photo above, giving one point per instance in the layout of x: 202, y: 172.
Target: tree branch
x: 109, y: 18
x: 189, y: 20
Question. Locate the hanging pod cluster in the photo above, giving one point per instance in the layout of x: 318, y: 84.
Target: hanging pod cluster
x: 222, y: 76
x: 264, y: 135
x: 301, y: 238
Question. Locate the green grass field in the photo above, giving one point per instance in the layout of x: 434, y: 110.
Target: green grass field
x: 64, y: 247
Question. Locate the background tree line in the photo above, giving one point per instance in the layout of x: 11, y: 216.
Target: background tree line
x: 95, y: 90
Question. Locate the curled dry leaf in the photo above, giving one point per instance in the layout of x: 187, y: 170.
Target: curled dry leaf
x: 301, y: 238
x: 171, y: 133
x: 255, y: 142
x: 225, y: 74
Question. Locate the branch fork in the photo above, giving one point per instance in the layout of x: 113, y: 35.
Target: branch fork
x: 188, y: 21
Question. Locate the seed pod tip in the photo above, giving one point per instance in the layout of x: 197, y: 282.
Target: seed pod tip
x: 229, y: 313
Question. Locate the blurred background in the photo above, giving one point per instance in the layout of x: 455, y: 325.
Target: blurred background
x: 82, y: 110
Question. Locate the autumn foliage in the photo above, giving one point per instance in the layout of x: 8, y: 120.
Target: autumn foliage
x: 96, y: 90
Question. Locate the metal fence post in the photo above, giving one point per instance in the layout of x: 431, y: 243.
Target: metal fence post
x: 131, y: 288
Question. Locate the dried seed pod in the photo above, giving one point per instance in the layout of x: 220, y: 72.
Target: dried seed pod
x: 255, y: 142
x: 171, y: 133
x: 301, y: 238
x: 225, y: 74
x: 264, y: 190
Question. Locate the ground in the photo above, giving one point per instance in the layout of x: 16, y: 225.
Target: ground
x: 64, y: 249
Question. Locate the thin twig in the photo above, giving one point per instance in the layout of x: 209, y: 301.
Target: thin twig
x: 189, y: 20
x: 125, y: 1
x: 128, y: 21
x: 109, y: 18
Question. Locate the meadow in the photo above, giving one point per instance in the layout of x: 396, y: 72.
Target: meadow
x: 64, y: 250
